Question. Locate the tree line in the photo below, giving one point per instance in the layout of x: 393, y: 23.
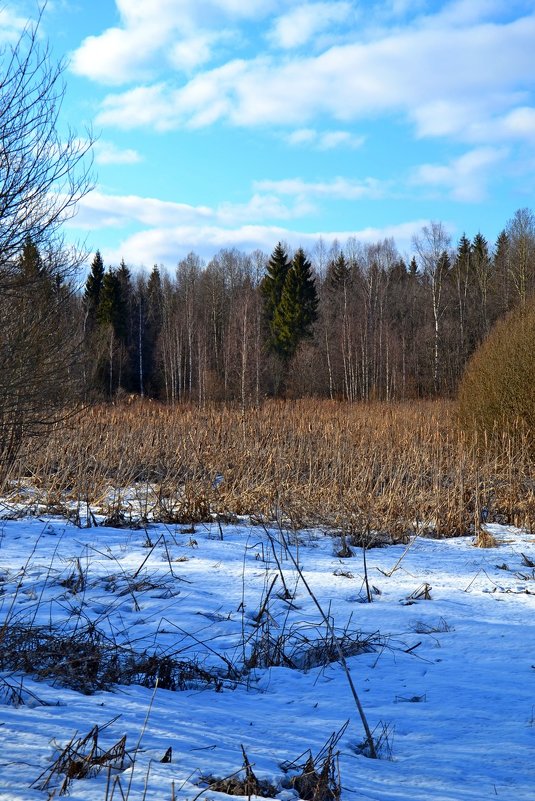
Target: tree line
x: 356, y: 322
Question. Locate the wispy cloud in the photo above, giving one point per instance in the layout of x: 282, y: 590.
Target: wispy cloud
x: 170, y: 230
x: 324, y: 140
x: 11, y: 25
x: 305, y: 21
x: 338, y: 188
x: 465, y: 178
x: 108, y: 153
x: 175, y: 33
x: 100, y: 210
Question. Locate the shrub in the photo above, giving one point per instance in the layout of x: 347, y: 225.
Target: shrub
x: 497, y: 392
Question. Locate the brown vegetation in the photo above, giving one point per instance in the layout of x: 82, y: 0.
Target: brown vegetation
x: 366, y: 470
x: 498, y: 388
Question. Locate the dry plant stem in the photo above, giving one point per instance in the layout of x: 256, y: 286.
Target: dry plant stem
x: 389, y: 573
x: 368, y: 593
x: 138, y: 744
x: 342, y: 659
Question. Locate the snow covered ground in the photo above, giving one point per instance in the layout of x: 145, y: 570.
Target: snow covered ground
x: 446, y: 672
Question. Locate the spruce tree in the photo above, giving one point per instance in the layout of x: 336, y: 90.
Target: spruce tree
x: 297, y: 310
x: 152, y: 328
x: 30, y: 267
x: 338, y: 273
x: 271, y: 289
x: 93, y: 288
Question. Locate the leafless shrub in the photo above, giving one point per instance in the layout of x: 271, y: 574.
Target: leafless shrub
x: 484, y: 539
x: 411, y: 699
x: 440, y: 627
x: 383, y: 741
x: 76, y: 581
x: 421, y: 593
x: 304, y: 647
x: 345, y: 573
x: 88, y: 661
x: 14, y: 693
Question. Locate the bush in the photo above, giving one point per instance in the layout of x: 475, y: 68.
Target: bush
x: 497, y: 391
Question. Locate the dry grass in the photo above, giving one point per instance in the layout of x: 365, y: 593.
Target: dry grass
x: 376, y: 469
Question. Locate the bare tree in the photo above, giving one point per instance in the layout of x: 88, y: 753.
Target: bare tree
x: 521, y: 233
x: 42, y: 176
x: 432, y: 248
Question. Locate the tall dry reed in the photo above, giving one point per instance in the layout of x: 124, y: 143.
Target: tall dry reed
x: 392, y: 468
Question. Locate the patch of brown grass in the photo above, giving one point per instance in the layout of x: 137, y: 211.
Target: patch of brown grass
x: 389, y: 469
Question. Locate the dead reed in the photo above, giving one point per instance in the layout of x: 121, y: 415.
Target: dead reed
x: 379, y: 471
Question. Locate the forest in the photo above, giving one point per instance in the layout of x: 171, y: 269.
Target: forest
x: 355, y: 322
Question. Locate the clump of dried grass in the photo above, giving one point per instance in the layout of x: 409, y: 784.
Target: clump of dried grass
x: 243, y: 782
x: 82, y: 758
x: 316, y: 778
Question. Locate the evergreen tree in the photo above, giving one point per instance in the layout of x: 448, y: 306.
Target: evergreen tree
x: 38, y: 276
x: 112, y: 320
x: 502, y: 273
x: 30, y: 267
x: 271, y: 289
x: 112, y: 307
x: 338, y: 273
x: 297, y: 310
x: 482, y: 266
x: 153, y: 320
x: 93, y: 288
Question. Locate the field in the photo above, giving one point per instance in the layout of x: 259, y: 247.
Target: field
x: 389, y: 469
x: 194, y: 604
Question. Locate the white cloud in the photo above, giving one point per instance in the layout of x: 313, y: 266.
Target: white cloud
x: 109, y: 153
x: 192, y: 52
x: 100, y: 210
x: 438, y: 78
x: 170, y: 230
x: 302, y: 23
x: 176, y: 33
x: 520, y: 122
x: 168, y: 245
x: 464, y: 178
x: 466, y: 12
x: 11, y: 25
x: 139, y: 107
x: 518, y: 125
x: 118, y: 56
x: 338, y: 188
x: 324, y: 140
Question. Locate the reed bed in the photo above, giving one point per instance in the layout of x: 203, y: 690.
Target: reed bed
x: 370, y: 471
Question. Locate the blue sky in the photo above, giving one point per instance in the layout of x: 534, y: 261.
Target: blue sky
x: 227, y: 123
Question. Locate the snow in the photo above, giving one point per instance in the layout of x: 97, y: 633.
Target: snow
x: 450, y: 680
